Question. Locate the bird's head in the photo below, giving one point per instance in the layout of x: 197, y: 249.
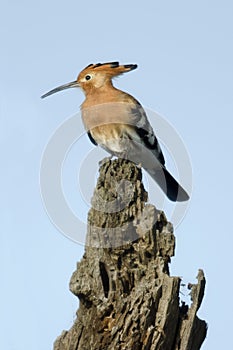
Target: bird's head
x: 94, y: 76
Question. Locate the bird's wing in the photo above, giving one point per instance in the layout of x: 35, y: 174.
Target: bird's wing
x: 91, y: 138
x: 145, y: 131
x: 145, y: 149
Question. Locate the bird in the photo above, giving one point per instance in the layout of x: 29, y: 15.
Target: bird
x: 117, y: 122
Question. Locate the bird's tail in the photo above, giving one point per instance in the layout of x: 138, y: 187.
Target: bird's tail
x: 168, y: 184
x: 139, y: 154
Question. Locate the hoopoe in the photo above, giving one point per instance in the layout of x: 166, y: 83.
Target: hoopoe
x: 118, y: 123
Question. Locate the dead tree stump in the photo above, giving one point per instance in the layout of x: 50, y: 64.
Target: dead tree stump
x: 127, y: 298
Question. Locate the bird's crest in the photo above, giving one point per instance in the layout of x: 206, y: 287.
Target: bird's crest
x: 112, y: 69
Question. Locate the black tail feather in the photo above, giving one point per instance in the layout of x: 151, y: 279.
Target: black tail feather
x: 169, y: 185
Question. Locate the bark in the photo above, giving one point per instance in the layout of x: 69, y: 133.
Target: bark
x: 127, y: 298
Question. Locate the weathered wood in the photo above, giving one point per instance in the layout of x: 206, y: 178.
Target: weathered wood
x: 128, y: 300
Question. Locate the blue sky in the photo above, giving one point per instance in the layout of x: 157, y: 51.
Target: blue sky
x: 184, y: 52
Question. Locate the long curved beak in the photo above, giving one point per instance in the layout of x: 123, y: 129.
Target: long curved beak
x: 72, y: 84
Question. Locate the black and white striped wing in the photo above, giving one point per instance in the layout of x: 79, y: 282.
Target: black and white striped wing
x: 145, y: 132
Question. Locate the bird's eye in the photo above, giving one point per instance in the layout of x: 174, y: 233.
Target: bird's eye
x: 88, y: 77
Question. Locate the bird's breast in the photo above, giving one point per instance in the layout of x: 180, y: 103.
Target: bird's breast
x: 106, y: 113
x: 108, y: 124
x: 110, y: 137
